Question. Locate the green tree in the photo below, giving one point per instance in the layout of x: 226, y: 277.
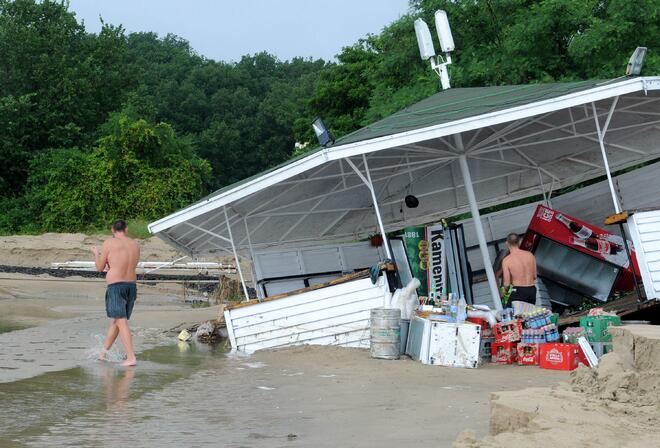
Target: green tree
x: 137, y: 170
x: 68, y: 79
x: 497, y: 42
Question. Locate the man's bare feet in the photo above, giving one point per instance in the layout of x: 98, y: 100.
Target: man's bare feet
x: 103, y: 354
x: 129, y: 362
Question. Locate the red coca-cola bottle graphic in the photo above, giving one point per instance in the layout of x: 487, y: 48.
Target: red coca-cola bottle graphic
x: 596, y: 245
x: 582, y: 232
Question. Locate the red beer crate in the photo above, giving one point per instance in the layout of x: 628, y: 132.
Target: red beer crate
x: 508, y: 332
x: 528, y: 354
x: 503, y: 352
x: 559, y: 356
x: 486, y: 331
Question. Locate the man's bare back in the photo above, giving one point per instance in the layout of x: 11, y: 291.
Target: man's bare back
x: 519, y: 268
x: 121, y: 255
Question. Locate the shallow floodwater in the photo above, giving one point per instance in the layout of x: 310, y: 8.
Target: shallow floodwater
x: 39, y: 411
x: 6, y: 327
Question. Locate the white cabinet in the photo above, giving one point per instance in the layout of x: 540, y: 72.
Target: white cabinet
x: 454, y: 345
x: 443, y: 343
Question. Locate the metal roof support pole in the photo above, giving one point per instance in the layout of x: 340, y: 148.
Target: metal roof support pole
x: 601, y: 138
x: 252, y: 265
x: 370, y: 186
x: 476, y: 217
x: 236, y: 260
x: 377, y: 209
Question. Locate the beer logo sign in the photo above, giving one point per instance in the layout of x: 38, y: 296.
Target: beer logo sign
x: 554, y: 356
x: 546, y: 214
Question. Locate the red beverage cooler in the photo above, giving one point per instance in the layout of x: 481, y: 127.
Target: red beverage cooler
x: 580, y: 257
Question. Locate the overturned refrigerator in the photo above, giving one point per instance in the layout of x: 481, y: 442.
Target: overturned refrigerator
x: 576, y: 259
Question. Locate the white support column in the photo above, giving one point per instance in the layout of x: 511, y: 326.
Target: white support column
x: 252, y: 265
x: 236, y: 260
x: 377, y: 209
x: 601, y: 141
x: 476, y: 217
x: 370, y: 186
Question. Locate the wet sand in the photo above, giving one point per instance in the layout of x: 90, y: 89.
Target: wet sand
x: 193, y: 395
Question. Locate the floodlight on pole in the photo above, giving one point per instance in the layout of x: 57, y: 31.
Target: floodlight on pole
x: 427, y: 51
x: 323, y: 134
x: 636, y: 62
x: 444, y: 31
x: 424, y: 40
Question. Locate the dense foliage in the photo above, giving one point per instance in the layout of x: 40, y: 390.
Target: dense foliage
x: 497, y: 42
x: 95, y: 126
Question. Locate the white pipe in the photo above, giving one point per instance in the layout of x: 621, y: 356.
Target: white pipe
x: 238, y: 263
x: 377, y: 209
x: 601, y: 138
x: 252, y: 265
x: 476, y: 217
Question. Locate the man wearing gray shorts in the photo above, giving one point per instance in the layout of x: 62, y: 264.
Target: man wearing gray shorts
x: 119, y: 255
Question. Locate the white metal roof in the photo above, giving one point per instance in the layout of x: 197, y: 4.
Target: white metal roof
x: 534, y: 144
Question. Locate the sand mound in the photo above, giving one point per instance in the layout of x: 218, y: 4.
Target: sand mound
x: 623, y: 392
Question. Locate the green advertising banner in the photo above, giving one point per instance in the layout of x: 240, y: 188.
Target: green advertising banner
x: 417, y: 249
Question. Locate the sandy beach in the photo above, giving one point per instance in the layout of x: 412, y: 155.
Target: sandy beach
x: 317, y: 396
x: 55, y: 393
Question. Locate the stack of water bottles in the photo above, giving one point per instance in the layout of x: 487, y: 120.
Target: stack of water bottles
x: 455, y: 307
x: 539, y: 328
x: 533, y: 336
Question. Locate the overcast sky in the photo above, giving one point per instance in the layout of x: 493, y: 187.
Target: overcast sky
x: 227, y: 29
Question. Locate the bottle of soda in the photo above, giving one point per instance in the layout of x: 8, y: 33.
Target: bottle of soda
x: 579, y: 230
x: 596, y: 245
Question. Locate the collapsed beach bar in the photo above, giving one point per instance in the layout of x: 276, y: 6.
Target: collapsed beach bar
x: 458, y: 151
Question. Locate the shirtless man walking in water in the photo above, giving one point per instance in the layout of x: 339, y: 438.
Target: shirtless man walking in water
x: 120, y: 256
x: 519, y: 271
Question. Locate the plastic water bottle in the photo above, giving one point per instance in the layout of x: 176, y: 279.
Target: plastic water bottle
x: 462, y: 310
x: 453, y: 306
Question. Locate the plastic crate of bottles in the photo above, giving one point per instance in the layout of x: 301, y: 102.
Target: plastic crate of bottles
x: 510, y: 331
x: 596, y: 328
x: 572, y: 334
x: 528, y: 354
x: 504, y: 352
x: 601, y: 348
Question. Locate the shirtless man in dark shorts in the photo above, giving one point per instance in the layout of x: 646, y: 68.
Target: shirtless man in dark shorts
x: 519, y: 271
x: 120, y: 256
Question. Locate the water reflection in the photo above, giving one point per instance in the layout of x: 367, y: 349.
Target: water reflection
x: 117, y: 382
x: 76, y: 400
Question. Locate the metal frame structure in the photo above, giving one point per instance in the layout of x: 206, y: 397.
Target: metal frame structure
x: 503, y: 155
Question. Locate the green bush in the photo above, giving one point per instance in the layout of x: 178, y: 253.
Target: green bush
x: 138, y: 170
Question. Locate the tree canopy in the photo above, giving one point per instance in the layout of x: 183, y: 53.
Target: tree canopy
x: 97, y: 126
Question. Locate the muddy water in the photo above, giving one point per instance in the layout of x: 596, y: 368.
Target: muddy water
x: 7, y: 326
x: 39, y: 411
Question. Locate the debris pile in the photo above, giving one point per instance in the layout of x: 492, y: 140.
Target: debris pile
x: 616, y: 404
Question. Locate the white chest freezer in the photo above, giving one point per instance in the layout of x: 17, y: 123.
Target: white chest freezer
x: 443, y: 343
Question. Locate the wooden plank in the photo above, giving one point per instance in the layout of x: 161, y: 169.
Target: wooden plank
x: 337, y: 281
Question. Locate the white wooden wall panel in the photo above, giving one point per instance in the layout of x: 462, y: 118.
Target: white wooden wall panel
x: 645, y: 232
x: 335, y: 315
